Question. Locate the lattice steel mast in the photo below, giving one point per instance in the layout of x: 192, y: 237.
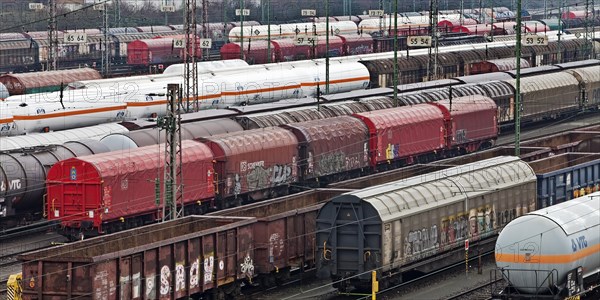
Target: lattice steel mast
x: 173, y: 180
x: 206, y: 53
x: 106, y: 41
x: 190, y: 80
x: 432, y: 64
x: 52, y: 37
x: 589, y: 29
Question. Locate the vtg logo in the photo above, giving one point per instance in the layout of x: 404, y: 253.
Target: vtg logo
x: 578, y: 243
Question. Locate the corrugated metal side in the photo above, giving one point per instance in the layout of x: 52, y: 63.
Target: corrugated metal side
x: 241, y: 164
x: 473, y: 119
x: 503, y: 186
x: 336, y: 46
x: 566, y: 176
x: 357, y: 44
x: 20, y: 83
x: 255, y: 51
x: 162, y: 261
x: 331, y: 146
x: 286, y: 50
x: 404, y: 132
x: 548, y: 94
x: 105, y: 187
x: 346, y: 231
x: 138, y: 53
x: 590, y: 79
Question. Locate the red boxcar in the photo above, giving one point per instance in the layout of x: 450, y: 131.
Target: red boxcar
x: 470, y: 122
x: 87, y: 191
x: 47, y: 81
x: 331, y: 146
x: 336, y: 46
x: 447, y: 25
x: 242, y: 166
x: 156, y: 51
x: 404, y: 132
x: 479, y: 29
x: 357, y: 44
x: 497, y: 65
x: 286, y: 50
x: 255, y: 52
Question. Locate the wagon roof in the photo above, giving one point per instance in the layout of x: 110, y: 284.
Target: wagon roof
x: 403, y: 198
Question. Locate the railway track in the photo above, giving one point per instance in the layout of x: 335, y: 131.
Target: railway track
x: 481, y: 291
x: 21, y: 240
x: 9, y: 261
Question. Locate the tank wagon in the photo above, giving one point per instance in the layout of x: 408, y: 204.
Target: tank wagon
x: 262, y: 115
x: 391, y: 227
x: 283, y: 240
x: 553, y: 252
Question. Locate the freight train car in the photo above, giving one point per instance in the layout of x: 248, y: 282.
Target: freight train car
x: 283, y: 239
x: 552, y: 253
x: 257, y: 164
x: 264, y: 118
x: 272, y: 238
x: 49, y: 81
x: 159, y: 52
x: 392, y: 227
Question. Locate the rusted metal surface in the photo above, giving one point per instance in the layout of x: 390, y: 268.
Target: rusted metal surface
x: 284, y: 233
x: 22, y: 83
x: 573, y: 141
x: 184, y: 257
x: 331, y: 146
x: 241, y: 165
x: 163, y: 261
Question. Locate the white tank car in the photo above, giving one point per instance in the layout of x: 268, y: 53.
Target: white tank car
x: 51, y: 116
x: 288, y: 82
x: 260, y: 32
x: 562, y: 238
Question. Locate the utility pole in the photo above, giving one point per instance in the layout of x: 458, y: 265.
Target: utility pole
x: 462, y: 12
x: 560, y: 29
x: 118, y: 13
x: 242, y: 29
x: 269, y: 31
x: 52, y: 38
x: 327, y: 47
x: 205, y: 34
x: 396, y: 53
x: 432, y: 65
x: 545, y: 9
x: 589, y: 29
x: 173, y: 189
x: 106, y: 42
x: 381, y: 25
x: 190, y: 82
x: 518, y: 84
